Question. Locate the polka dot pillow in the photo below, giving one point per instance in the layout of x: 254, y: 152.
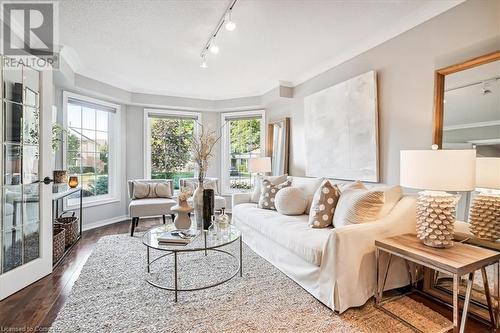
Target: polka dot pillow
x: 268, y: 193
x: 323, y: 205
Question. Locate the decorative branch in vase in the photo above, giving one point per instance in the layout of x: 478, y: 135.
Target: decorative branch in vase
x: 202, y: 147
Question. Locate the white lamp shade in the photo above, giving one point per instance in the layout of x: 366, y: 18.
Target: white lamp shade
x: 259, y: 164
x: 488, y: 172
x: 438, y: 170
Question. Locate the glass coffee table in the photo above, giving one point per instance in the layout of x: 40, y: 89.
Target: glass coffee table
x: 205, y: 242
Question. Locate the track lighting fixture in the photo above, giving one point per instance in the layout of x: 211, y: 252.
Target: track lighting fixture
x: 210, y: 45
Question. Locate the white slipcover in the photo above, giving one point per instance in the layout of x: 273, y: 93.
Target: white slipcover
x: 337, y: 266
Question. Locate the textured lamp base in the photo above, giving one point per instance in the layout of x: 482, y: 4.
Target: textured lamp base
x: 485, y: 217
x: 436, y: 218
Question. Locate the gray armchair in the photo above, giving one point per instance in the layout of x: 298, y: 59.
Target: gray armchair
x: 148, y: 207
x: 219, y: 201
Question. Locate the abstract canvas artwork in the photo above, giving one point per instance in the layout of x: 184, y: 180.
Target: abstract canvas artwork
x: 341, y: 130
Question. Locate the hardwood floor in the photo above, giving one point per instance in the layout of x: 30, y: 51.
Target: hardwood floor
x: 36, y: 306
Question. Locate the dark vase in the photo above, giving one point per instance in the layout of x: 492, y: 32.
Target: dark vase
x: 208, y: 207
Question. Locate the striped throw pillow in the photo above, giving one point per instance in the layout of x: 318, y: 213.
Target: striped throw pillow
x: 358, y: 205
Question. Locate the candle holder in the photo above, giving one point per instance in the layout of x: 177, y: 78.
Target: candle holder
x: 73, y: 181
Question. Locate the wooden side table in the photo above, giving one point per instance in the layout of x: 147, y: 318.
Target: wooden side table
x: 459, y: 260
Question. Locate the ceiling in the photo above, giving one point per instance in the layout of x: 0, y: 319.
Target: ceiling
x: 153, y: 46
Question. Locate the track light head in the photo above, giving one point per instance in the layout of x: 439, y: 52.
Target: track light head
x: 230, y: 25
x: 214, y: 49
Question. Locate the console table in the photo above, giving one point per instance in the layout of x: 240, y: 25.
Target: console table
x: 56, y: 198
x: 459, y: 260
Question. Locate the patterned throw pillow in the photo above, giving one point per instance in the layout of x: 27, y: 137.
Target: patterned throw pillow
x: 258, y: 182
x: 141, y: 190
x: 151, y: 190
x: 268, y: 194
x: 162, y: 190
x: 323, y: 205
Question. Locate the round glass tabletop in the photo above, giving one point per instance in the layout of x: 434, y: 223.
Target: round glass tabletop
x: 204, y: 240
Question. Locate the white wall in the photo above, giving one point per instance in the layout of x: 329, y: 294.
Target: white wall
x: 405, y: 66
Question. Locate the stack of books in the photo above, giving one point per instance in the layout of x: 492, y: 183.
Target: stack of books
x: 177, y: 237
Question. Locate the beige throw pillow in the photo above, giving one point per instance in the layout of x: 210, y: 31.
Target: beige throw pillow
x: 151, y: 190
x: 258, y: 181
x: 192, y: 185
x: 141, y: 190
x: 323, y: 205
x: 290, y: 201
x: 269, y: 190
x: 358, y: 205
x: 163, y: 190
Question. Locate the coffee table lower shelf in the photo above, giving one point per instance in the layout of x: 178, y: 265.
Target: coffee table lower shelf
x: 169, y: 252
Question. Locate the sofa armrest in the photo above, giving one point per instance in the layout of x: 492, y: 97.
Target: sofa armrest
x: 240, y: 198
x: 353, y: 251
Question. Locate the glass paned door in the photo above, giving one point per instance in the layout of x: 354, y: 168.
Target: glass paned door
x: 20, y: 187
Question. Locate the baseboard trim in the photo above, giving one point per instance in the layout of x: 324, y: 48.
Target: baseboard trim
x: 103, y: 223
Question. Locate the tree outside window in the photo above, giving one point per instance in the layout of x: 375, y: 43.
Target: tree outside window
x: 170, y: 141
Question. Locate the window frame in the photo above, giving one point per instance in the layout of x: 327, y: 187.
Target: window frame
x: 225, y: 145
x: 197, y: 116
x: 114, y: 173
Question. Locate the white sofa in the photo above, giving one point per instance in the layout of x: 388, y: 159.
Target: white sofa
x: 335, y: 265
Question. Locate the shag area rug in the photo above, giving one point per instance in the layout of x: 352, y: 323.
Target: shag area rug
x: 111, y: 295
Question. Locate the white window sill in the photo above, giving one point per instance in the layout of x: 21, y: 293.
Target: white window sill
x: 92, y: 203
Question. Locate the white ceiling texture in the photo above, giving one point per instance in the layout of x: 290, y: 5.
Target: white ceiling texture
x: 154, y: 46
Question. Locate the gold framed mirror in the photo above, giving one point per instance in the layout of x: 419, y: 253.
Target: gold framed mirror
x: 439, y: 89
x: 467, y: 116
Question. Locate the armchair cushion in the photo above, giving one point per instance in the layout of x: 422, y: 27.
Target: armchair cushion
x: 151, y: 207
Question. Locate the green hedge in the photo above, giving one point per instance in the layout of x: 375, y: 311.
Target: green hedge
x: 172, y: 175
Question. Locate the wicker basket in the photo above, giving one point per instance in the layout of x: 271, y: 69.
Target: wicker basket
x: 58, y: 243
x: 70, y: 224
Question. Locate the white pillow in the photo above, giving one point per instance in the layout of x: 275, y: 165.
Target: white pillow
x: 309, y: 186
x: 392, y: 196
x: 275, y: 180
x: 290, y: 201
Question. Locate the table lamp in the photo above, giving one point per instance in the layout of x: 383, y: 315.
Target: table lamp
x: 259, y: 165
x: 485, y: 209
x: 436, y: 171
